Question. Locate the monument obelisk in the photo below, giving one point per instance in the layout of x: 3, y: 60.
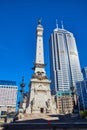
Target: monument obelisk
x: 40, y: 95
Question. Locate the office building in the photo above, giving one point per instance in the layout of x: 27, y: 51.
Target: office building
x: 84, y: 71
x: 65, y: 68
x: 81, y: 90
x: 65, y: 102
x: 8, y: 96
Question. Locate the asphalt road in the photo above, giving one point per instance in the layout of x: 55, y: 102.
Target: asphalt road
x: 64, y: 122
x: 44, y: 126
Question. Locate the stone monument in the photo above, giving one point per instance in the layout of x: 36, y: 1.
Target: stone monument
x: 40, y: 95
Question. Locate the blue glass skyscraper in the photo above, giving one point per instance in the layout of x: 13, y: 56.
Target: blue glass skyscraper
x: 65, y: 68
x: 84, y: 71
x: 81, y: 90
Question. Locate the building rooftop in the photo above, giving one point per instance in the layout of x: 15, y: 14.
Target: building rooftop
x: 61, y: 30
x: 7, y: 82
x: 64, y: 93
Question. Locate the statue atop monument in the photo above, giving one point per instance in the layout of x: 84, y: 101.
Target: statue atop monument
x: 39, y: 21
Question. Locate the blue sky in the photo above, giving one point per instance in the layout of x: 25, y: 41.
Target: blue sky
x: 18, y: 22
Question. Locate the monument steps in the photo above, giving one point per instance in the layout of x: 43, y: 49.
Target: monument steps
x: 38, y: 116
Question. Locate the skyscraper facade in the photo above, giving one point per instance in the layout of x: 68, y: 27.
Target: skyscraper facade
x: 8, y: 95
x: 81, y: 90
x: 65, y: 68
x: 84, y: 71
